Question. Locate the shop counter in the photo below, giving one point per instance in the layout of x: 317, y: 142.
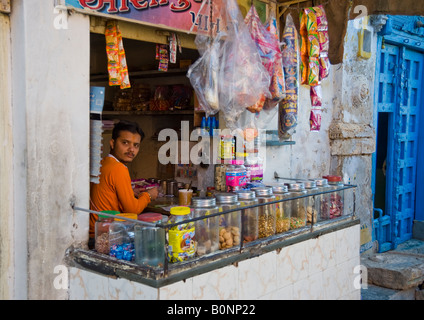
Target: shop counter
x: 317, y: 261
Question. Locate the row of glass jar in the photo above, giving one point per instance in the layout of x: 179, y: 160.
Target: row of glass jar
x: 145, y: 244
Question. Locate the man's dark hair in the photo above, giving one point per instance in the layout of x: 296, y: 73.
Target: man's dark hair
x: 124, y: 125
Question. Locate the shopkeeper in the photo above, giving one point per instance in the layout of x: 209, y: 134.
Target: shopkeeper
x: 114, y: 191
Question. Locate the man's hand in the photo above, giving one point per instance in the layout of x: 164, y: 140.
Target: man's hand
x: 153, y: 193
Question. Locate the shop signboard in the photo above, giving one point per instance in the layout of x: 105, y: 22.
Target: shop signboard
x: 173, y: 14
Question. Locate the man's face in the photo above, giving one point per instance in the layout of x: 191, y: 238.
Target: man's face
x: 125, y: 148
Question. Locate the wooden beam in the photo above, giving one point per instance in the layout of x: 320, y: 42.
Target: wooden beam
x: 5, y: 6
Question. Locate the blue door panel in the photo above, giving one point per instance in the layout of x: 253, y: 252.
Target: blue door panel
x: 399, y: 74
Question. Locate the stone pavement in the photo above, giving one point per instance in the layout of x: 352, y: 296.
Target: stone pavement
x: 397, y: 274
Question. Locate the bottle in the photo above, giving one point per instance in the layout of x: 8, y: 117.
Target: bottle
x: 312, y: 203
x: 207, y: 237
x: 266, y: 216
x: 229, y: 223
x: 121, y: 237
x: 101, y: 228
x: 282, y: 209
x: 149, y: 241
x: 181, y: 237
x: 298, y: 212
x: 235, y: 176
x: 249, y: 216
x: 337, y: 197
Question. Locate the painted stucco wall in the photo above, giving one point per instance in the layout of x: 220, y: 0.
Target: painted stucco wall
x: 50, y: 102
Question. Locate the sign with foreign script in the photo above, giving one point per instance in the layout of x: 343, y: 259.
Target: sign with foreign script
x: 174, y: 14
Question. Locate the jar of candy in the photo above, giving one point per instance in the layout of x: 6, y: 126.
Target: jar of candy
x: 283, y: 208
x: 121, y: 237
x: 229, y: 223
x: 181, y: 237
x: 266, y: 213
x: 235, y: 176
x: 336, y: 197
x: 298, y: 212
x: 101, y: 229
x: 149, y: 240
x: 323, y: 199
x: 312, y: 202
x: 254, y: 170
x: 249, y: 216
x: 207, y: 230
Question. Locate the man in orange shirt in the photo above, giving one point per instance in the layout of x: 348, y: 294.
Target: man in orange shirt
x: 114, y: 192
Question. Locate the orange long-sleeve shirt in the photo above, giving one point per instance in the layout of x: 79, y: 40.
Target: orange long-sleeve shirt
x: 114, y: 192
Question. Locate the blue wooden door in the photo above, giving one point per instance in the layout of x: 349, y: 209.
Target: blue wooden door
x: 399, y: 94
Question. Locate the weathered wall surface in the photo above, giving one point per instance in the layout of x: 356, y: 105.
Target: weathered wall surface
x: 51, y: 120
x: 6, y: 156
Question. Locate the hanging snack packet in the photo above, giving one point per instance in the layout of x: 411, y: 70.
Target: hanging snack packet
x: 287, y: 114
x: 316, y: 102
x: 324, y: 42
x: 269, y: 50
x: 309, y: 47
x: 117, y: 63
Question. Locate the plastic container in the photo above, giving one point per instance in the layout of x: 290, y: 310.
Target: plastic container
x: 229, y: 223
x: 207, y: 230
x: 282, y: 209
x: 336, y: 201
x: 298, y: 212
x: 121, y: 237
x: 235, y: 176
x: 149, y: 241
x: 181, y: 245
x: 312, y: 202
x: 249, y: 216
x: 101, y: 230
x: 220, y: 185
x: 266, y: 213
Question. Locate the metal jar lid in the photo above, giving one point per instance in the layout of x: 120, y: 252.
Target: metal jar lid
x: 226, y: 197
x: 200, y: 202
x: 309, y: 184
x: 263, y: 191
x: 298, y: 186
x: 321, y: 182
x: 281, y: 188
x: 246, y: 194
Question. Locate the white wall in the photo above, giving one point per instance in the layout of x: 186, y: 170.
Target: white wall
x: 50, y: 103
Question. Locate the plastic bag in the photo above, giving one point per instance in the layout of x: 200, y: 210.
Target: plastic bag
x: 229, y: 75
x: 269, y: 49
x: 287, y: 119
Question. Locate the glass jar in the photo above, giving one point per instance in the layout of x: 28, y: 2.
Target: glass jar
x: 149, y: 241
x: 220, y: 185
x: 298, y: 212
x: 181, y: 245
x: 121, y: 237
x: 266, y: 213
x: 282, y: 209
x: 229, y: 223
x: 254, y: 170
x: 249, y: 216
x: 323, y: 199
x: 336, y: 198
x: 101, y: 230
x: 235, y: 176
x: 207, y: 230
x: 312, y: 202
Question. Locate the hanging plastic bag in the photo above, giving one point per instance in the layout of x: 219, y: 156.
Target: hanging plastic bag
x: 268, y: 47
x: 229, y: 75
x: 287, y: 119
